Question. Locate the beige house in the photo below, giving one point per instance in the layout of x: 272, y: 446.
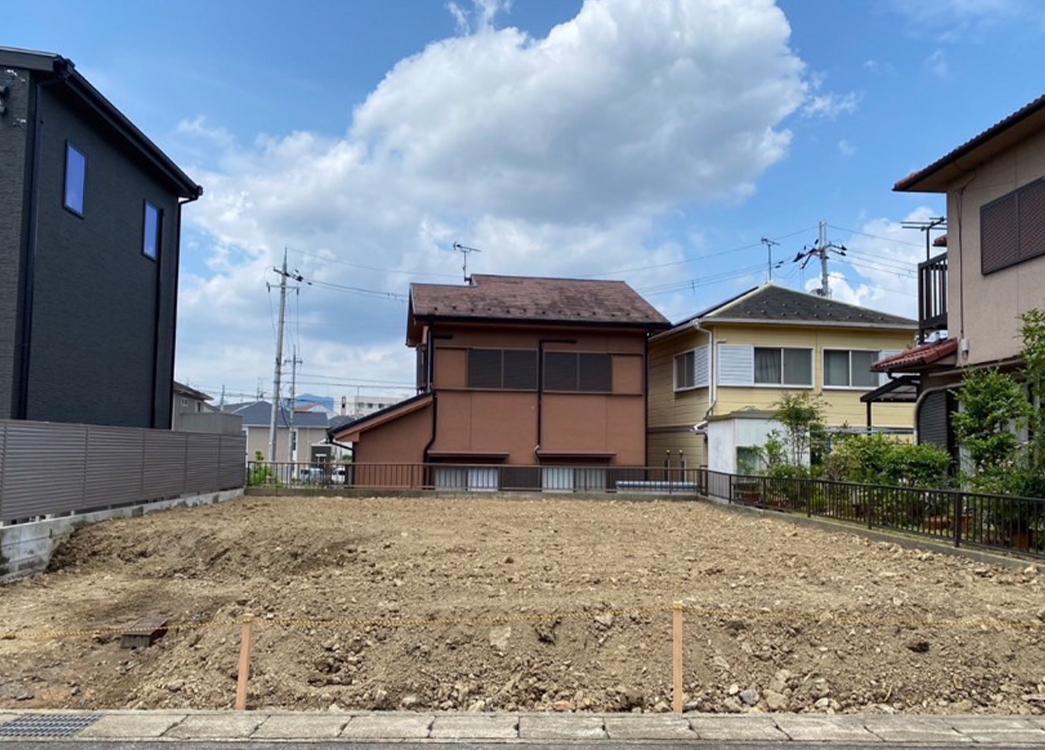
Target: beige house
x: 994, y: 266
x: 187, y: 400
x: 715, y: 377
x: 301, y: 436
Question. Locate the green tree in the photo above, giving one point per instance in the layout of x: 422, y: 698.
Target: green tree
x: 994, y: 409
x: 804, y: 438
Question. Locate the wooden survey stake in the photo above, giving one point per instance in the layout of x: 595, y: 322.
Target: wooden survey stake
x: 676, y: 657
x: 244, y: 666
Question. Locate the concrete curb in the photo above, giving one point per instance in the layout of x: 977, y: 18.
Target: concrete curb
x: 875, y: 729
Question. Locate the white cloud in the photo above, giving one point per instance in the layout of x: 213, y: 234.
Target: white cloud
x: 553, y: 155
x: 951, y: 20
x: 937, y: 64
x: 846, y: 148
x: 832, y: 105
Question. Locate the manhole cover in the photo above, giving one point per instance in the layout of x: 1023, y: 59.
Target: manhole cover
x: 47, y: 725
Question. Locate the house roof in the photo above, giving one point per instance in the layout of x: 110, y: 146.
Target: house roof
x: 184, y: 390
x: 342, y: 427
x: 530, y: 299
x: 777, y: 305
x: 918, y: 357
x: 1000, y: 136
x: 62, y: 69
x: 259, y: 414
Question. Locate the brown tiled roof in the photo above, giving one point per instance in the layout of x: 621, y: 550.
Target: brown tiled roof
x: 534, y: 299
x: 919, y: 356
x: 1018, y: 125
x: 940, y: 241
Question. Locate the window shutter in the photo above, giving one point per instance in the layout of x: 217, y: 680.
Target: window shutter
x: 701, y: 368
x: 520, y: 370
x: 883, y: 377
x: 484, y: 368
x: 736, y: 365
x: 1032, y: 220
x: 596, y: 373
x: 560, y: 371
x: 999, y: 234
x: 933, y: 419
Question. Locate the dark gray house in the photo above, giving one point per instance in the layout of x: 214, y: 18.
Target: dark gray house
x: 90, y: 219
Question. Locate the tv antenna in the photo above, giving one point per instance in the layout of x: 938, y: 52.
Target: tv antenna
x: 934, y: 222
x: 769, y: 251
x: 465, y: 251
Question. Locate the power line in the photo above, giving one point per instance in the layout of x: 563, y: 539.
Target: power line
x: 395, y: 296
x: 875, y: 236
x: 373, y: 268
x: 692, y: 260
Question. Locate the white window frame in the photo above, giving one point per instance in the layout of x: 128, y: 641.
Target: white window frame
x: 850, y: 387
x: 697, y: 370
x: 749, y: 382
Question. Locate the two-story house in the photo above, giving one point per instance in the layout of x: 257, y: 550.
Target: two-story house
x: 993, y: 270
x: 715, y: 377
x: 90, y: 216
x: 537, y: 374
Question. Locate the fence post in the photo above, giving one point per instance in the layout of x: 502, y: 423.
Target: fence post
x: 957, y: 519
x: 244, y: 665
x: 676, y: 656
x: 871, y: 498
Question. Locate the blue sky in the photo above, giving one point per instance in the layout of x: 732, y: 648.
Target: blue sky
x: 561, y: 138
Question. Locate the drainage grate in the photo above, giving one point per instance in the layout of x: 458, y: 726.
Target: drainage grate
x: 48, y: 725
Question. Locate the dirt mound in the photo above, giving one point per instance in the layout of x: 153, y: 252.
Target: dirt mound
x: 782, y: 618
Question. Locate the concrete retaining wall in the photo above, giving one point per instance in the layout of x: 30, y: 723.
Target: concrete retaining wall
x: 26, y: 548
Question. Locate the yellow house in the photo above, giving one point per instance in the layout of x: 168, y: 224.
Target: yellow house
x: 715, y: 376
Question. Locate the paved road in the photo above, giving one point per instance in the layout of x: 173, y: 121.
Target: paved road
x: 342, y: 745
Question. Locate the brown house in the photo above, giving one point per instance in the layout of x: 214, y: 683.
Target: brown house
x: 518, y: 379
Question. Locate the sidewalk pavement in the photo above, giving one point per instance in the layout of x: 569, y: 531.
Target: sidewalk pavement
x: 508, y: 727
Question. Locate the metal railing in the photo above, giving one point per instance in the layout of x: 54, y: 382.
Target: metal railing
x: 932, y: 295
x: 478, y: 477
x: 1013, y: 524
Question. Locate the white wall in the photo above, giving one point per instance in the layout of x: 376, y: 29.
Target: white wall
x: 724, y: 436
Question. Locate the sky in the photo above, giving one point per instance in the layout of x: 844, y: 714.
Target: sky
x: 654, y: 142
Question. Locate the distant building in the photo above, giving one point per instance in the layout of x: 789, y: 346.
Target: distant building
x: 187, y: 400
x: 90, y: 216
x: 361, y: 406
x: 301, y: 436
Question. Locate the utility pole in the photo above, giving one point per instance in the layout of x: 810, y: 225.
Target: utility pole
x: 221, y: 404
x: 294, y: 362
x: 825, y: 283
x: 769, y: 251
x: 283, y: 276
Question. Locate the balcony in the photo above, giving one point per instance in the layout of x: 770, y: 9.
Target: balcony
x: 932, y: 296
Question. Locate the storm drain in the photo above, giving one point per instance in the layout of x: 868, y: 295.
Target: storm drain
x: 47, y: 725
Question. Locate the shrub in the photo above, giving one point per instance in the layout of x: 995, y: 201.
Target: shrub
x: 880, y: 459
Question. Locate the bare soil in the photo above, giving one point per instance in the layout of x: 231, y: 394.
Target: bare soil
x: 787, y: 618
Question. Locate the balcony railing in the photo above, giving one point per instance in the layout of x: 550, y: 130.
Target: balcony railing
x: 932, y: 295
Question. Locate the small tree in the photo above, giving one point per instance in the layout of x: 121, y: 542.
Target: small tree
x: 805, y: 434
x: 994, y: 409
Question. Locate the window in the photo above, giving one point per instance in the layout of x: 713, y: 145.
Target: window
x: 569, y: 479
x: 502, y: 369
x: 75, y: 177
x: 783, y: 366
x: 691, y: 369
x: 844, y: 368
x: 1012, y: 228
x: 578, y: 372
x: 184, y: 401
x: 151, y: 233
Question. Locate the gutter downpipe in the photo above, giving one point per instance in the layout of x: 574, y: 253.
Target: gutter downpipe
x: 540, y: 386
x: 435, y: 397
x: 174, y: 312
x: 21, y: 411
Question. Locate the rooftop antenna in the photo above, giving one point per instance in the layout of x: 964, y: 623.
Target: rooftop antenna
x: 769, y: 251
x: 933, y: 222
x: 464, y: 250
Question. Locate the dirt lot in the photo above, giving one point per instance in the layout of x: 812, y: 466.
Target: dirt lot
x: 816, y: 621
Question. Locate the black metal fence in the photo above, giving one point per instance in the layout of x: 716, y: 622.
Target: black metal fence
x: 1014, y: 524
